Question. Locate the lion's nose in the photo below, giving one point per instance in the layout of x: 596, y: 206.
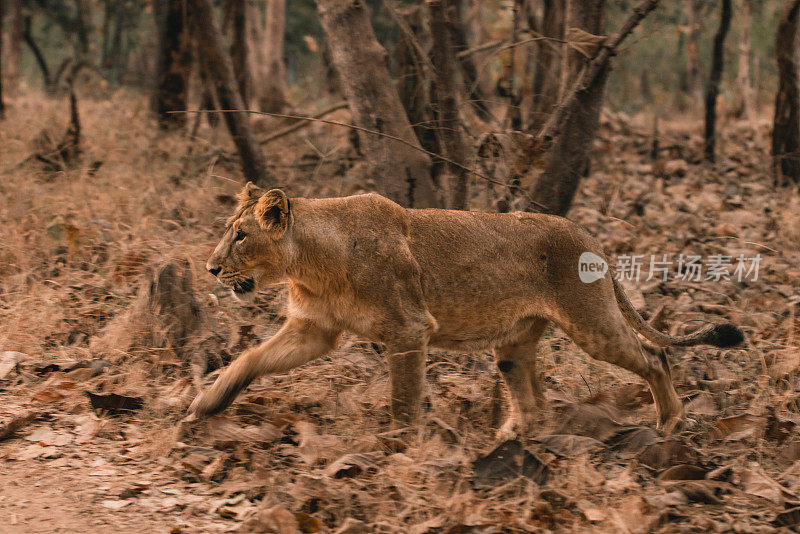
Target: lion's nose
x: 213, y: 270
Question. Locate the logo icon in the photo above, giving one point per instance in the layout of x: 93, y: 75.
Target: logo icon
x: 591, y: 267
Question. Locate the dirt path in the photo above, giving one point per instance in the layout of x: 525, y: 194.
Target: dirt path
x: 60, y: 474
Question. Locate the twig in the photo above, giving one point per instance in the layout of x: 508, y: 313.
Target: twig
x: 299, y: 125
x: 481, y: 48
x: 592, y: 72
x: 352, y: 127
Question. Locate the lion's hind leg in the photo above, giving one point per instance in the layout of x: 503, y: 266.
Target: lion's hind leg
x: 602, y: 332
x: 517, y: 364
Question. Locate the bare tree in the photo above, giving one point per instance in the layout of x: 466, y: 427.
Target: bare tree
x: 466, y: 62
x: 571, y: 128
x: 786, y: 130
x: 27, y: 36
x: 221, y: 76
x: 743, y: 74
x: 14, y: 51
x: 692, y: 53
x: 240, y: 52
x: 413, y: 81
x: 84, y: 27
x: 2, y: 19
x: 448, y: 122
x: 401, y: 172
x: 114, y: 17
x: 712, y: 91
x: 568, y: 158
x: 272, y: 95
x: 547, y: 74
x: 173, y: 66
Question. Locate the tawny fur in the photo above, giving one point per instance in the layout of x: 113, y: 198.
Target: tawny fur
x: 411, y: 279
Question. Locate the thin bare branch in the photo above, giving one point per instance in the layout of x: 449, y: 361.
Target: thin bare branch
x: 294, y: 127
x: 360, y: 129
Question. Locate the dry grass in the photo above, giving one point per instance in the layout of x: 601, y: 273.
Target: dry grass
x: 72, y: 247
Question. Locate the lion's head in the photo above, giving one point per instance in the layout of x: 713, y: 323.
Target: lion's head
x: 254, y: 249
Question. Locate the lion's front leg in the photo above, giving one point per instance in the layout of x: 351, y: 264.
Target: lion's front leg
x: 296, y: 343
x: 407, y: 382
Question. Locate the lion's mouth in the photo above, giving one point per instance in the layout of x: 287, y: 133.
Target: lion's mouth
x: 244, y: 286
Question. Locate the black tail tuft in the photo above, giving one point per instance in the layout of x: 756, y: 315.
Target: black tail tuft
x: 725, y: 335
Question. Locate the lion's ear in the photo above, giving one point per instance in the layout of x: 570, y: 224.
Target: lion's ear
x: 250, y: 193
x: 272, y: 211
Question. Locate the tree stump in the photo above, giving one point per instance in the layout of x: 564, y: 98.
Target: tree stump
x: 165, y: 323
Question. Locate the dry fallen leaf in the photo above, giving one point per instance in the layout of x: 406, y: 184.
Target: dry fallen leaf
x: 673, y: 498
x: 277, y: 520
x: 739, y: 427
x: 47, y: 436
x: 314, y: 447
x: 115, y: 505
x: 10, y: 360
x: 567, y: 445
x: 17, y: 423
x: 506, y: 462
x: 114, y: 404
x: 224, y: 431
x: 756, y: 482
x: 683, y: 472
x: 666, y: 453
x: 352, y: 465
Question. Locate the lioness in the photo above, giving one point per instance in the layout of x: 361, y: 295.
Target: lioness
x: 411, y: 278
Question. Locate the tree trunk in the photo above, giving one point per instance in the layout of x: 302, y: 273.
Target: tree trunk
x: 401, y: 172
x: 567, y: 160
x: 743, y: 76
x: 2, y: 19
x: 712, y: 91
x: 108, y: 15
x: 786, y: 131
x: 476, y: 21
x: 27, y: 36
x: 115, y: 58
x: 547, y: 75
x: 174, y: 64
x: 14, y: 51
x: 469, y: 72
x: 220, y: 72
x: 255, y: 48
x: 273, y: 93
x: 413, y: 84
x: 208, y: 97
x: 507, y: 85
x: 239, y: 50
x: 84, y: 29
x: 448, y: 122
x: 693, y: 73
x: 586, y: 15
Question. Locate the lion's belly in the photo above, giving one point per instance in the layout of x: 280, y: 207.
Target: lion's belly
x: 495, y: 327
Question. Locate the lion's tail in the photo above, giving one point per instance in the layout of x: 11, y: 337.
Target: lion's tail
x: 720, y: 335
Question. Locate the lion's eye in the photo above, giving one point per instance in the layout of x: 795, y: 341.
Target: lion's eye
x: 239, y: 236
